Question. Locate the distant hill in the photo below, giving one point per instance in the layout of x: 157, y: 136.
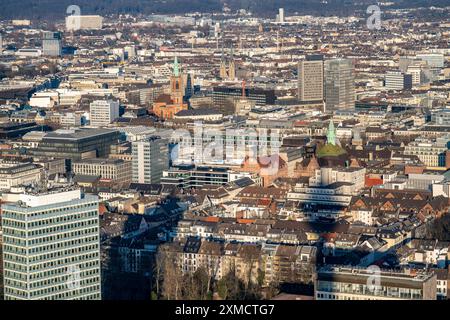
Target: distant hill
x: 56, y: 9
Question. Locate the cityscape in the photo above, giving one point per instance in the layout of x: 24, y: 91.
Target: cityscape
x: 227, y: 152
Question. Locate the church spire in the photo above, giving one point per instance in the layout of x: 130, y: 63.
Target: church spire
x: 176, y: 67
x: 331, y: 134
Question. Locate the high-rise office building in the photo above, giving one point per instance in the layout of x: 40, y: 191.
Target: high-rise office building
x: 281, y: 15
x: 310, y: 79
x: 103, y: 112
x: 339, y: 85
x: 51, y: 246
x: 150, y: 159
x: 51, y: 43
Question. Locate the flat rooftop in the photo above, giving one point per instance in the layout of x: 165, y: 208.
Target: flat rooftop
x: 77, y: 134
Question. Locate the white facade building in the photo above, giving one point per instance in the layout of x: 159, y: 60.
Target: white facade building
x: 51, y: 247
x: 16, y: 174
x: 103, y: 112
x: 150, y: 159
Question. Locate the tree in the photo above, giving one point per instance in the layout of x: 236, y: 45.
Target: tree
x: 169, y: 271
x: 159, y: 269
x: 195, y: 285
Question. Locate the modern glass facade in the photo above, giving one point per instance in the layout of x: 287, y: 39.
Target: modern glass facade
x: 339, y: 85
x: 359, y: 284
x: 78, y: 144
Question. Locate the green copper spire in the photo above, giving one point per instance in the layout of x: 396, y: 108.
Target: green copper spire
x: 331, y: 134
x: 176, y: 67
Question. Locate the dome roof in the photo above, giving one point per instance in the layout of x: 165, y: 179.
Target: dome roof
x: 330, y: 150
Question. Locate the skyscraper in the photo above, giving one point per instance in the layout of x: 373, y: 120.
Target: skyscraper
x: 51, y: 43
x: 339, y: 85
x: 150, y: 159
x: 310, y: 79
x: 51, y: 246
x: 281, y: 15
x: 103, y: 112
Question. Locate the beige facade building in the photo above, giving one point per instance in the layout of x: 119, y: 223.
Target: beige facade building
x: 112, y: 169
x: 310, y: 79
x: 14, y: 174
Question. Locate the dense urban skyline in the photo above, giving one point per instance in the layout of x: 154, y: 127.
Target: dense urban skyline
x: 232, y: 152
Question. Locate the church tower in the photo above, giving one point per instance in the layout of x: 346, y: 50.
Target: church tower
x: 231, y: 67
x: 176, y: 84
x: 223, y: 67
x: 331, y: 134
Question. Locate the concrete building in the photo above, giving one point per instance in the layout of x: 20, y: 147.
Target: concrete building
x: 224, y: 97
x: 441, y: 117
x: 396, y: 80
x: 339, y: 85
x: 310, y: 79
x: 103, y: 112
x: 344, y: 283
x: 416, y: 71
x: 71, y: 119
x: 189, y: 176
x: 327, y: 176
x: 150, y: 159
x: 14, y: 174
x: 431, y: 152
x: 51, y: 43
x: 76, y: 144
x: 51, y: 248
x: 281, y: 15
x: 110, y: 169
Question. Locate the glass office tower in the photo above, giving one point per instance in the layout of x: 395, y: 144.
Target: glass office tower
x: 339, y: 85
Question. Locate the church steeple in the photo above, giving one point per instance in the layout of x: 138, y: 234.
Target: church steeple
x: 223, y: 66
x: 331, y: 134
x: 176, y: 84
x: 176, y: 67
x: 231, y: 66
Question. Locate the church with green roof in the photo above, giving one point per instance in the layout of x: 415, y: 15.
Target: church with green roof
x: 331, y: 149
